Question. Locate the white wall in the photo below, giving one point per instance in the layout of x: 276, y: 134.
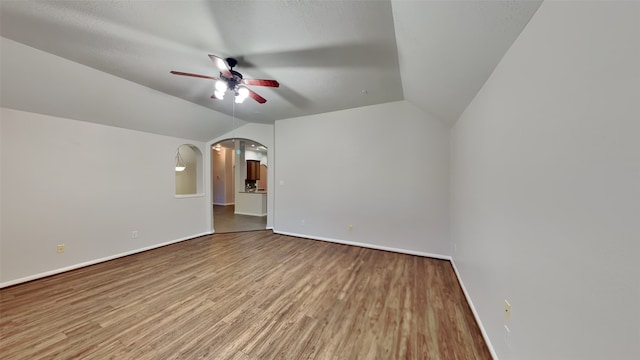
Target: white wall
x: 545, y: 204
x: 256, y: 155
x: 219, y: 174
x: 87, y: 186
x: 230, y: 176
x: 263, y: 134
x: 382, y: 169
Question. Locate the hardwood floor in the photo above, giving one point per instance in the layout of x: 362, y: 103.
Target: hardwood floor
x: 224, y: 220
x: 252, y: 295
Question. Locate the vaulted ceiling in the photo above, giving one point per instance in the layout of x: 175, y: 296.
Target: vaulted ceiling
x: 327, y: 55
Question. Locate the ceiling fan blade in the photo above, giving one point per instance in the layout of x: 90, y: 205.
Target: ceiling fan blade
x: 222, y: 65
x: 254, y: 95
x: 260, y: 82
x: 194, y: 75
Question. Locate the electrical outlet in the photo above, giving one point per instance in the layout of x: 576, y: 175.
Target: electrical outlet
x: 507, y: 310
x: 60, y: 248
x: 134, y: 234
x: 350, y: 227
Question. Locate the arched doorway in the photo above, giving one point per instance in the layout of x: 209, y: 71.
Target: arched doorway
x: 239, y: 185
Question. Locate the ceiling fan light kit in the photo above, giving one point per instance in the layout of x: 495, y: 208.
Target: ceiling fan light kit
x: 232, y: 80
x: 221, y: 86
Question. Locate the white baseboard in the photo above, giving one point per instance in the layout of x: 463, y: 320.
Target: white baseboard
x: 96, y: 261
x: 475, y: 313
x: 365, y: 245
x: 224, y: 204
x: 250, y: 214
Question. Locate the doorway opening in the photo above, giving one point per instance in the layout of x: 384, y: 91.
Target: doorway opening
x: 239, y: 185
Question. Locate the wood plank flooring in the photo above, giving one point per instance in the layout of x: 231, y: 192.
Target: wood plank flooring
x: 224, y: 220
x: 254, y: 295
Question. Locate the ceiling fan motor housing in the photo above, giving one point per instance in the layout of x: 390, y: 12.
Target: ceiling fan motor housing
x: 232, y: 79
x: 232, y: 82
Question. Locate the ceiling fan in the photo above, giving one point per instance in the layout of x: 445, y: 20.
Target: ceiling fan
x: 232, y: 80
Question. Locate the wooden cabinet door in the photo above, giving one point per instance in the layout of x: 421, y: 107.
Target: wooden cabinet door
x: 253, y: 169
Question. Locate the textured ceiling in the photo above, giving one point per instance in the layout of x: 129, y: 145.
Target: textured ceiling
x: 327, y: 55
x: 448, y: 49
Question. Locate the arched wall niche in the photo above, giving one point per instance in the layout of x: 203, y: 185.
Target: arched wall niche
x: 188, y: 171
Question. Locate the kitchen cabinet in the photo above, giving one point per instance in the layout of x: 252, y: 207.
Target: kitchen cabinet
x: 253, y: 169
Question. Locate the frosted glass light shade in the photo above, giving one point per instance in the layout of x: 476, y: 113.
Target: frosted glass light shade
x: 221, y: 86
